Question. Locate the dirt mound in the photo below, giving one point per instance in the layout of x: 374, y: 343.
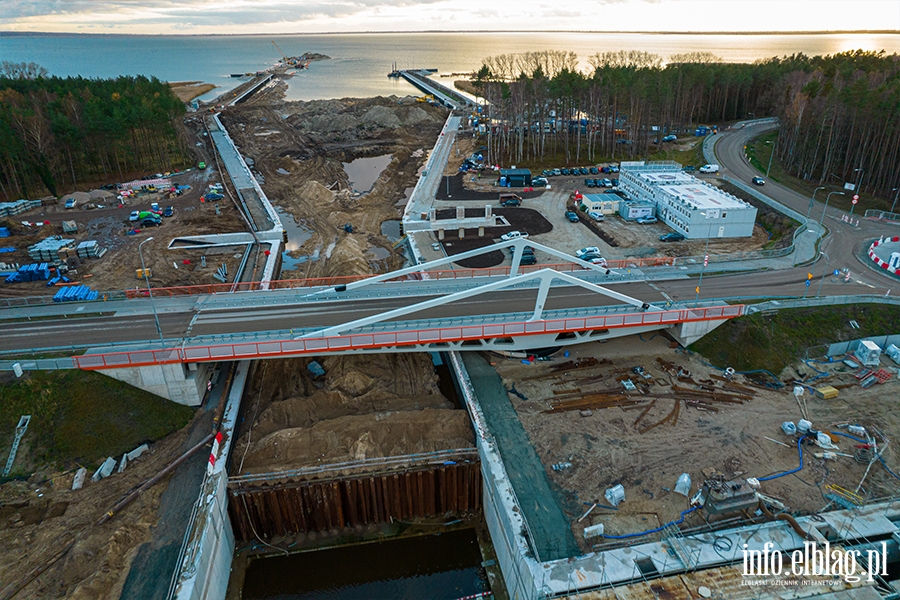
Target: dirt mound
x: 358, y: 437
x: 381, y: 116
x: 415, y: 115
x: 313, y: 191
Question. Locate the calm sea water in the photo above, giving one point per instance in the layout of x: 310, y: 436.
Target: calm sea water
x: 361, y: 61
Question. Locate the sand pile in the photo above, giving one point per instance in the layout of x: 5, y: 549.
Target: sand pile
x: 366, y: 406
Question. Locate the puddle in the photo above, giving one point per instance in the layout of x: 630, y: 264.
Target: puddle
x: 391, y: 230
x: 297, y: 234
x: 363, y: 172
x: 377, y: 253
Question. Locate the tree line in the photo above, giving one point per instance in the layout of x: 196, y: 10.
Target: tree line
x: 839, y: 114
x: 59, y: 133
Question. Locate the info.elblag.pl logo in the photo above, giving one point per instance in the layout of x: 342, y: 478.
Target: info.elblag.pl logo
x: 816, y: 560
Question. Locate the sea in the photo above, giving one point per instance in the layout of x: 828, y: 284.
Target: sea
x: 360, y: 62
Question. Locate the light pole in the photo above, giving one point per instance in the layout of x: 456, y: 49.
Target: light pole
x: 771, y: 155
x: 862, y: 172
x: 827, y: 198
x: 149, y: 291
x: 705, y: 256
x: 824, y: 273
x: 897, y: 189
x: 813, y: 200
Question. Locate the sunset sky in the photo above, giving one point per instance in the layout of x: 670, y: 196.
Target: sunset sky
x: 318, y: 16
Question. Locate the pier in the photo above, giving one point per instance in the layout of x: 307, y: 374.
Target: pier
x: 443, y: 94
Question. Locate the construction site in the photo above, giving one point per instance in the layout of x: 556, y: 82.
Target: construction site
x: 622, y: 467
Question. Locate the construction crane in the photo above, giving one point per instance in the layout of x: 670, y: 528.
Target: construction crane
x: 279, y: 51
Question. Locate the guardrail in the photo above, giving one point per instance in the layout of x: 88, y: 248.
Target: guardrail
x: 882, y: 215
x: 387, y: 339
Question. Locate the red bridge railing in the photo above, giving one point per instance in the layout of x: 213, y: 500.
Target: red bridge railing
x: 368, y: 341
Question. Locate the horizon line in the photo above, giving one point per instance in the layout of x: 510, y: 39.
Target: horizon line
x: 394, y: 32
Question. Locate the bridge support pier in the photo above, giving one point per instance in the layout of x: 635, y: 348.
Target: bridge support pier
x: 181, y: 383
x: 688, y: 333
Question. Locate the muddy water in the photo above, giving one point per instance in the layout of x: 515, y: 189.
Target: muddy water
x: 363, y: 172
x: 297, y: 234
x: 391, y: 230
x: 437, y: 567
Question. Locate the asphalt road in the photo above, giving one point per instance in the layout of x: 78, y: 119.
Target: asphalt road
x: 182, y: 318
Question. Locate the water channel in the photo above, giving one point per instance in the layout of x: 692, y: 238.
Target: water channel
x: 444, y: 566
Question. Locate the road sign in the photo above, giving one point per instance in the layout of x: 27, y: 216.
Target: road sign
x: 809, y: 276
x: 836, y: 272
x: 807, y: 283
x: 850, y: 186
x: 705, y: 260
x: 855, y: 199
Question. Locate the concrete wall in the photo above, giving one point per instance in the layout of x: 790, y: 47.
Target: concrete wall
x: 501, y: 513
x: 688, y: 333
x: 206, y: 556
x: 181, y: 383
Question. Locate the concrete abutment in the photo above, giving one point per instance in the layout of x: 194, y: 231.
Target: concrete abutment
x: 184, y: 383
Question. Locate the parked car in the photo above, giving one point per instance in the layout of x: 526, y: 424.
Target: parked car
x: 528, y: 259
x: 615, y: 182
x: 539, y: 181
x: 547, y: 172
x: 148, y: 222
x: 598, y: 261
x: 709, y: 169
x: 604, y: 169
x: 525, y: 250
x: 613, y: 168
x: 571, y: 216
x: 673, y: 236
x: 758, y: 181
x: 596, y: 215
x: 583, y: 170
x: 213, y: 196
x: 565, y: 171
x: 647, y: 220
x: 513, y: 235
x: 590, y: 183
x: 607, y: 183
x: 594, y: 170
x: 556, y: 172
x: 587, y: 251
x: 169, y: 211
x: 669, y: 138
x: 71, y: 202
x: 135, y: 215
x: 512, y: 202
x: 689, y: 169
x: 436, y: 246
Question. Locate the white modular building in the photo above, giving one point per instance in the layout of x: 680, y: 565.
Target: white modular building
x: 685, y: 203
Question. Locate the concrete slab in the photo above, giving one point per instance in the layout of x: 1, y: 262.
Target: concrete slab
x: 551, y: 534
x: 105, y: 469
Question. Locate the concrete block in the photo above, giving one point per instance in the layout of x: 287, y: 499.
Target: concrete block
x: 138, y: 451
x: 123, y: 463
x: 462, y: 232
x: 105, y: 469
x: 78, y: 482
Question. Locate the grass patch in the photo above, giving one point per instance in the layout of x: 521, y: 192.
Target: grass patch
x: 80, y: 417
x: 779, y: 226
x: 776, y: 341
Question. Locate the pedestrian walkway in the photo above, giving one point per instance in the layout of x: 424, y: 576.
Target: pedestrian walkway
x: 549, y: 527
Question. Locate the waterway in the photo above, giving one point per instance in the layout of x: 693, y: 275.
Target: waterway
x: 360, y: 62
x: 438, y: 567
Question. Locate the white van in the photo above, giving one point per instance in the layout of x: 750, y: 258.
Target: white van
x: 709, y: 169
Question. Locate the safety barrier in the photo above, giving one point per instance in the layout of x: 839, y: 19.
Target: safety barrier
x: 387, y: 339
x: 887, y: 266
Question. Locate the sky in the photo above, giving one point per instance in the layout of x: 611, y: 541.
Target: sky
x: 324, y: 16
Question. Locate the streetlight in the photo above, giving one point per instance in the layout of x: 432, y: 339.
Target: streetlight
x: 813, y: 201
x: 705, y: 256
x: 771, y: 156
x: 897, y: 189
x: 858, y: 190
x: 149, y: 291
x: 824, y: 273
x: 827, y: 198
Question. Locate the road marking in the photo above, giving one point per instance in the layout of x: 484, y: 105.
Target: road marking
x: 664, y: 295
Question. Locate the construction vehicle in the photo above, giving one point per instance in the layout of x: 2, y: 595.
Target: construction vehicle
x: 426, y: 98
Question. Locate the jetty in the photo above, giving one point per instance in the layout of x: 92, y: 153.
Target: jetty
x: 443, y: 94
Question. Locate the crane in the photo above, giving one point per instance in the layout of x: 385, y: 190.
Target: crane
x: 279, y: 51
